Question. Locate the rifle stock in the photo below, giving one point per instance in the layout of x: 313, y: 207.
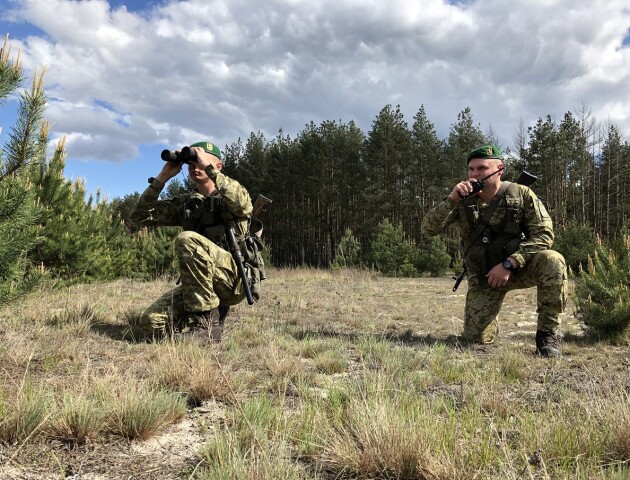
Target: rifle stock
x: 261, y: 205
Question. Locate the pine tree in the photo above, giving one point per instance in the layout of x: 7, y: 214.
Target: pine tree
x: 78, y: 239
x: 427, y: 166
x: 348, y: 253
x: 464, y: 136
x: 615, y: 171
x: 602, y: 292
x: 387, y: 154
x: 18, y: 210
x: 391, y: 253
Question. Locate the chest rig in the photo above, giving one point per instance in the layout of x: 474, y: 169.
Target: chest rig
x: 491, y: 240
x: 208, y: 217
x: 204, y: 215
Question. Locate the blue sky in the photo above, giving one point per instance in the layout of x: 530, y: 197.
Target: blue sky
x: 126, y: 79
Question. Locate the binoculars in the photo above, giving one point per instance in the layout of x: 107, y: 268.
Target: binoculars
x: 186, y: 155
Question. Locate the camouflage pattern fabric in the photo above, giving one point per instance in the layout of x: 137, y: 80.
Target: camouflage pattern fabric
x: 538, y: 265
x: 200, y: 261
x: 209, y: 275
x: 534, y: 219
x: 236, y: 204
x: 547, y: 271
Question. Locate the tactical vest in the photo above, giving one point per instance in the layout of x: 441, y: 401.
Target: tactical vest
x: 499, y: 239
x: 205, y: 216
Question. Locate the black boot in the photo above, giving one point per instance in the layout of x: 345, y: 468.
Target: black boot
x: 205, y: 325
x: 547, y: 344
x: 224, y: 311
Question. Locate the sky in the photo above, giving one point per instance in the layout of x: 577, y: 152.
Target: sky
x: 126, y: 79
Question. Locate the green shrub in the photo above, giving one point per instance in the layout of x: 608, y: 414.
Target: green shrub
x: 576, y: 243
x: 434, y: 257
x: 603, y: 292
x: 391, y: 253
x: 348, y: 251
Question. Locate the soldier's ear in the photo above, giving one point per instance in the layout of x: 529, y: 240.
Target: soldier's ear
x: 219, y: 165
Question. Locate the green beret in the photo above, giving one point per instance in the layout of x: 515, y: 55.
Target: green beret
x: 210, y: 148
x: 486, y: 151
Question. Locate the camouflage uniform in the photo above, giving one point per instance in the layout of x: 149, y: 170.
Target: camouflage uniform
x: 209, y: 276
x: 523, y: 229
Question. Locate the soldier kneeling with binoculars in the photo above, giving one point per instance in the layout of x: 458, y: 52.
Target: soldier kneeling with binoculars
x: 215, y: 218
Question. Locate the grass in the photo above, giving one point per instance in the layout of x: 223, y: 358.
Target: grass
x: 78, y: 419
x: 331, y: 375
x: 139, y: 411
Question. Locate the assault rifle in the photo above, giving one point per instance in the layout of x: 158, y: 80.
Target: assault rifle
x: 235, y: 248
x: 261, y: 205
x: 525, y: 178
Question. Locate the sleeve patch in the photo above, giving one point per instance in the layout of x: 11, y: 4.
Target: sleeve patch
x: 541, y: 209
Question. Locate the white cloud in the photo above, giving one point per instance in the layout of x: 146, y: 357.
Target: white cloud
x: 220, y: 70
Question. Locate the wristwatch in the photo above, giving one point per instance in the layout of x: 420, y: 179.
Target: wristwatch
x: 507, y: 264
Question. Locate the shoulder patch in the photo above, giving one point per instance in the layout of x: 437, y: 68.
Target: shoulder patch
x: 542, y: 209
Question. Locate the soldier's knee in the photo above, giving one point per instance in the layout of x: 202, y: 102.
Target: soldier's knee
x: 186, y: 244
x: 551, y: 263
x: 483, y: 334
x: 184, y: 239
x: 553, y: 256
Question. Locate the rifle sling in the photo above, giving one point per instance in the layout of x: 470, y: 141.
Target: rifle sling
x: 484, y: 221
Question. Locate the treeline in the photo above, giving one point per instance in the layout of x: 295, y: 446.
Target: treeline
x: 340, y: 196
x: 332, y: 178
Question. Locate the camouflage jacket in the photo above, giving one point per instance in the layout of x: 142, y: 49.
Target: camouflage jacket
x: 232, y: 199
x: 534, y: 233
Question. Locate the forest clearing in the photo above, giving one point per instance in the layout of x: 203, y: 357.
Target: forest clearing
x: 332, y: 374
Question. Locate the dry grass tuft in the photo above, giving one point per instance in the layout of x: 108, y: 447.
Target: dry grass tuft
x: 26, y: 415
x: 139, y: 411
x: 78, y: 419
x: 195, y: 372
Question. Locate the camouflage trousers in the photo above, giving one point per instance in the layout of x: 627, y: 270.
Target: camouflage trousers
x: 546, y: 270
x: 209, y: 278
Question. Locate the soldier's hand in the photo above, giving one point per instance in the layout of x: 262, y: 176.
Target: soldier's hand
x: 169, y: 170
x: 498, y: 276
x: 204, y: 159
x: 461, y: 190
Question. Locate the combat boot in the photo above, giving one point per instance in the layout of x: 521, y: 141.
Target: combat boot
x: 224, y: 311
x: 547, y: 344
x: 216, y: 324
x: 206, y: 325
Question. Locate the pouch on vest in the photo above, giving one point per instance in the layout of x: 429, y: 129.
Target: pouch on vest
x: 252, y: 248
x: 512, y: 220
x: 216, y: 234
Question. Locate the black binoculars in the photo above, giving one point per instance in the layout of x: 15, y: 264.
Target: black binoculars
x: 185, y: 155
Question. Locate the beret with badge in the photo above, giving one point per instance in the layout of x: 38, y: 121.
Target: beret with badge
x: 485, y: 151
x: 210, y: 148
